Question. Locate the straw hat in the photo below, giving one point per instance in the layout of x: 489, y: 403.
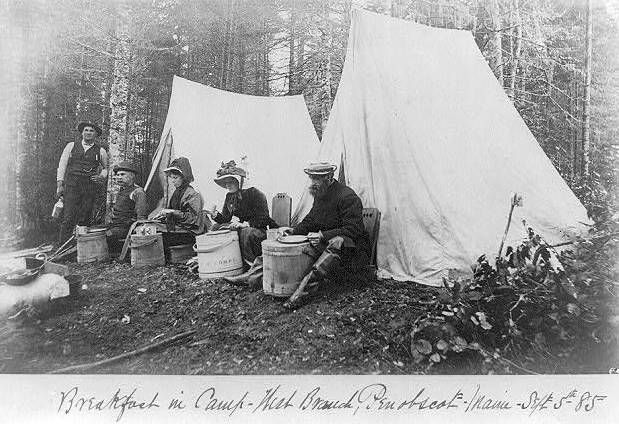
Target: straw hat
x: 227, y: 171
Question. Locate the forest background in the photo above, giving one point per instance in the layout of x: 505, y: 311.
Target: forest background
x: 113, y: 61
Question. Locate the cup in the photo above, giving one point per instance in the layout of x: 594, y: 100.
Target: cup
x: 272, y: 234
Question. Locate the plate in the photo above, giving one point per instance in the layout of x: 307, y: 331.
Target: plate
x: 212, y: 233
x: 292, y: 239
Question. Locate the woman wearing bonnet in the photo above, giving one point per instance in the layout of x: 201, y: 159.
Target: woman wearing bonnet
x: 249, y: 206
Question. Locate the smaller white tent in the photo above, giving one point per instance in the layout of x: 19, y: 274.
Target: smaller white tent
x: 271, y: 137
x: 427, y: 135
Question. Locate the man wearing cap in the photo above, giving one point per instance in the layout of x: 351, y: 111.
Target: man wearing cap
x: 130, y: 205
x: 82, y: 170
x: 334, y: 228
x: 250, y: 206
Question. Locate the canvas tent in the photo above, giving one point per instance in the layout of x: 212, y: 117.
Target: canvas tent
x: 269, y: 136
x: 427, y: 135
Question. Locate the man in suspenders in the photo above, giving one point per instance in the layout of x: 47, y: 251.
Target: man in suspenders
x: 81, y: 171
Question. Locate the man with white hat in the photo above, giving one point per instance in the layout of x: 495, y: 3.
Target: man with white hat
x: 334, y: 228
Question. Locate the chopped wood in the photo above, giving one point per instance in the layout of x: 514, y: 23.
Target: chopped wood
x: 91, y: 365
x: 27, y: 252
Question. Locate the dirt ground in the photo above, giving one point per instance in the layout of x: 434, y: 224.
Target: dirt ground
x: 345, y: 330
x: 356, y: 328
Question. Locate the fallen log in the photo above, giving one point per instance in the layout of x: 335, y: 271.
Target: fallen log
x: 148, y: 348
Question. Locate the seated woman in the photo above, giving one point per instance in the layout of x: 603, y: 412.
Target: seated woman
x: 183, y: 215
x: 250, y: 206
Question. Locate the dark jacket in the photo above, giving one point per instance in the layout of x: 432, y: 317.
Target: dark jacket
x: 130, y: 206
x: 252, y: 208
x: 338, y: 213
x: 191, y: 207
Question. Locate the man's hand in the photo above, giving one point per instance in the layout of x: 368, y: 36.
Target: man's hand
x: 284, y: 231
x: 315, y: 238
x: 99, y: 179
x: 59, y: 188
x: 212, y: 212
x: 163, y: 213
x: 238, y: 225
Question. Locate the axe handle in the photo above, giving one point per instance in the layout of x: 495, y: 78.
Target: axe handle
x: 127, y: 242
x: 297, y: 293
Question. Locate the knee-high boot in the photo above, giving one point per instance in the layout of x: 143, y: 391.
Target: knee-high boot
x: 256, y: 267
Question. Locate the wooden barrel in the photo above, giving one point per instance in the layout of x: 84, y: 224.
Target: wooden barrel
x: 147, y: 250
x: 181, y: 254
x: 284, y: 266
x: 219, y: 254
x: 91, y: 247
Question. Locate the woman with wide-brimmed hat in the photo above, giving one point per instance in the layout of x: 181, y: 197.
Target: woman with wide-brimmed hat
x: 183, y: 214
x: 250, y: 207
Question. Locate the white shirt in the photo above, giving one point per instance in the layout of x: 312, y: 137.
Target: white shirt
x: 66, y: 153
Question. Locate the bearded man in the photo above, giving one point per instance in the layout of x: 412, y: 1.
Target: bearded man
x: 334, y: 227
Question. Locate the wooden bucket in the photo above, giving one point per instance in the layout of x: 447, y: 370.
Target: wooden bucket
x: 284, y: 266
x: 147, y: 250
x: 92, y: 247
x: 219, y: 254
x: 181, y: 254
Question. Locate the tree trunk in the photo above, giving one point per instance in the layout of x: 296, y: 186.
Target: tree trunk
x: 327, y: 41
x: 550, y: 76
x: 227, y: 42
x: 577, y: 131
x: 395, y: 9
x: 242, y: 59
x: 229, y: 71
x: 264, y: 65
x: 12, y: 49
x: 516, y: 41
x: 291, y: 59
x: 494, y: 45
x: 119, y: 98
x: 586, y: 125
x: 300, y: 57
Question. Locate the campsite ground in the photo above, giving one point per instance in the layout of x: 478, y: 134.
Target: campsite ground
x: 358, y: 329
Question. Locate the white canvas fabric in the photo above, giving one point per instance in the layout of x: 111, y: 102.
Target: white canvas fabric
x: 208, y: 126
x: 427, y: 135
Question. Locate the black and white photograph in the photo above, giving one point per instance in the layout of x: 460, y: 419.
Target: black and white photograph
x: 309, y: 210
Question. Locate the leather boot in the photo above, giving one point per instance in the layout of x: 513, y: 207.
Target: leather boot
x: 254, y: 282
x: 242, y: 279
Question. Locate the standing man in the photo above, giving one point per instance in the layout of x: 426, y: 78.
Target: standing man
x: 130, y: 205
x: 82, y: 170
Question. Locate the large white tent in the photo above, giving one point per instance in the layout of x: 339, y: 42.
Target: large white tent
x: 426, y: 134
x: 269, y: 136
